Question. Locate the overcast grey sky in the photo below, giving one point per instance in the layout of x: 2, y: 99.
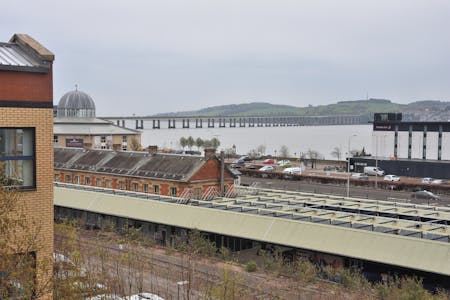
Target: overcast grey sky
x: 151, y: 56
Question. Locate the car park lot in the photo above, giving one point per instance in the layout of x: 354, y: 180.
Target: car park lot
x: 336, y: 174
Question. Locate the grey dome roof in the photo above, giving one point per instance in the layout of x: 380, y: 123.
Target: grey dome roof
x: 76, y: 104
x: 76, y: 100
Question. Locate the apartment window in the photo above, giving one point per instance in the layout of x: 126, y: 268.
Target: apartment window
x: 76, y: 179
x: 124, y: 139
x: 68, y: 179
x: 121, y: 185
x: 98, y: 182
x: 156, y: 189
x: 87, y: 180
x: 145, y: 188
x: 55, y: 140
x: 108, y: 183
x: 135, y: 187
x: 173, y: 191
x: 17, y: 161
x: 57, y: 177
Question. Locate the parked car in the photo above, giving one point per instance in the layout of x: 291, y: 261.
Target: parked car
x: 373, y: 171
x: 424, y: 195
x: 331, y: 168
x: 267, y: 169
x: 252, y: 167
x: 245, y: 158
x: 427, y: 180
x: 269, y: 161
x: 284, y: 163
x: 294, y: 170
x: 360, y: 176
x: 438, y: 181
x: 391, y: 178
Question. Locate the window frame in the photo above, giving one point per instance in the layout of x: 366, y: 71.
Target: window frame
x: 31, y: 157
x: 156, y: 189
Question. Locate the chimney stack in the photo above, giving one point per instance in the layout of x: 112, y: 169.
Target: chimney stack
x: 152, y: 149
x: 210, y: 151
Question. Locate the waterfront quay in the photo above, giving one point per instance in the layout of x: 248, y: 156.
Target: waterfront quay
x: 155, y: 122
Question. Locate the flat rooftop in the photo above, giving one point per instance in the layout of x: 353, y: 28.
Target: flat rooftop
x: 401, y: 234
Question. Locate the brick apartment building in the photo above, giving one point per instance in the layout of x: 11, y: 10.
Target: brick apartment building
x: 26, y: 135
x: 187, y: 176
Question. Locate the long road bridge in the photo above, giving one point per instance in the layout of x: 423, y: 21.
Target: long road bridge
x: 388, y: 234
x: 155, y: 122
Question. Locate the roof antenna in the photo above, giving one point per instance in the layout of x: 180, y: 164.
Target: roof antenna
x: 76, y: 87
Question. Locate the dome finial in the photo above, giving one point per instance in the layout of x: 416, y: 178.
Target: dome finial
x: 76, y: 87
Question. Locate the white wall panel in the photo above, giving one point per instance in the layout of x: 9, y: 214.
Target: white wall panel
x: 432, y: 145
x: 417, y: 144
x: 445, y: 146
x: 403, y: 144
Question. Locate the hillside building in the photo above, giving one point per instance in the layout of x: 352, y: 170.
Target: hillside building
x: 26, y: 133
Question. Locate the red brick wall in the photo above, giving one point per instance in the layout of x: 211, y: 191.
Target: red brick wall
x: 26, y: 86
x: 164, y: 186
x: 211, y: 170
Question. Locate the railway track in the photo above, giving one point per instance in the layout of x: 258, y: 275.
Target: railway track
x: 161, y: 272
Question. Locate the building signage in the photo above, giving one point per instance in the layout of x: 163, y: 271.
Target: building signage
x: 383, y: 127
x: 74, y: 143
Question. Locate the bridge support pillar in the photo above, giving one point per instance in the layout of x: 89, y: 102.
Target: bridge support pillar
x: 171, y: 124
x: 185, y: 123
x: 139, y: 124
x: 222, y: 122
x: 123, y: 123
x: 259, y: 122
x: 232, y: 122
x: 198, y: 123
x: 210, y: 123
x: 156, y: 124
x: 241, y: 122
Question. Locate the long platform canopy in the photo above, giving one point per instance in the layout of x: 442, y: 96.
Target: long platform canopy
x: 400, y: 234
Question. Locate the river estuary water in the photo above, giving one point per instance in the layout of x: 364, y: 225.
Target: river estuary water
x: 297, y: 139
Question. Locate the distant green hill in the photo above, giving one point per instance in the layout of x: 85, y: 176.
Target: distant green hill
x: 357, y: 107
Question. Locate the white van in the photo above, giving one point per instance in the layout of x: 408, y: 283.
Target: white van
x: 294, y: 170
x: 373, y: 171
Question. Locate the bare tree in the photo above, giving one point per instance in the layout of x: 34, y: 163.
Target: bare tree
x: 261, y: 149
x: 313, y: 156
x: 337, y: 152
x: 135, y: 145
x: 23, y: 275
x: 199, y: 143
x: 215, y: 142
x: 183, y: 142
x: 190, y: 142
x: 284, y: 151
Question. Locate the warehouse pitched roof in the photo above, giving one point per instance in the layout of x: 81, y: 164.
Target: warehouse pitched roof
x: 136, y: 164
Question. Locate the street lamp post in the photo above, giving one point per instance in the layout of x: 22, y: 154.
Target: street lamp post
x: 348, y: 165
